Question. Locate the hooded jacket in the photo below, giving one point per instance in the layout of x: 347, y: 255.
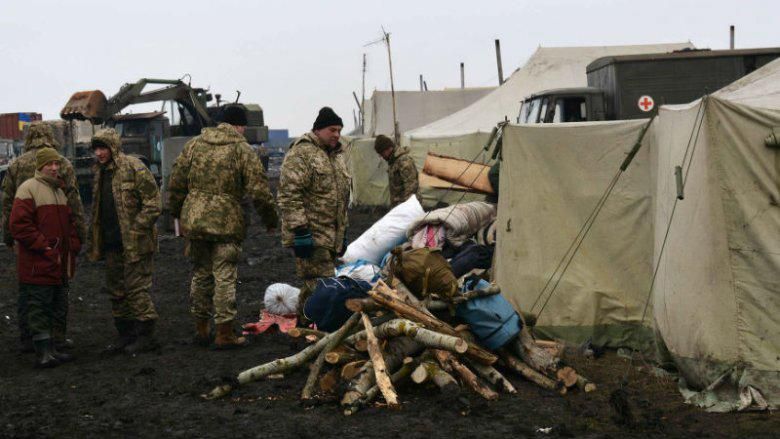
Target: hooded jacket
x: 44, y: 226
x: 210, y: 177
x: 137, y: 201
x: 314, y: 192
x: 40, y: 135
x: 402, y: 176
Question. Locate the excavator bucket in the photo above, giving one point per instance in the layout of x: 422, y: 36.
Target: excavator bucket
x: 85, y: 105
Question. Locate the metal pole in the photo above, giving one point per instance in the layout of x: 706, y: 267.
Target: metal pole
x: 425, y: 84
x: 396, y: 134
x: 421, y: 83
x: 731, y: 34
x: 462, y: 76
x: 498, y: 63
x: 363, y: 100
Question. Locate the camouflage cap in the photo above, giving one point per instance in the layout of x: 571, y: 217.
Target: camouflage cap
x: 40, y: 135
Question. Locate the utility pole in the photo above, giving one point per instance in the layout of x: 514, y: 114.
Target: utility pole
x: 498, y: 62
x: 462, y: 76
x: 386, y: 39
x: 421, y: 83
x: 363, y: 100
x: 731, y: 37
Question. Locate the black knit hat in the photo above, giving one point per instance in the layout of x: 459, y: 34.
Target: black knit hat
x: 234, y: 115
x: 326, y: 118
x: 383, y: 143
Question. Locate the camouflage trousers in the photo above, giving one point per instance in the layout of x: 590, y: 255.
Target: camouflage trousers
x: 45, y: 313
x: 60, y: 312
x: 130, y: 285
x: 321, y: 263
x: 214, y: 276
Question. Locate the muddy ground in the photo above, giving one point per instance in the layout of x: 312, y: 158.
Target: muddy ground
x: 157, y: 394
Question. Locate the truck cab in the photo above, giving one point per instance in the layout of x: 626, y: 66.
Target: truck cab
x: 581, y: 104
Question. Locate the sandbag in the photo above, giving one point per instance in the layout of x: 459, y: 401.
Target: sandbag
x: 425, y: 271
x: 326, y: 306
x: 385, y: 234
x: 491, y: 318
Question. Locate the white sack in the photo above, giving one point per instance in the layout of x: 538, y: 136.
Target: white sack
x: 281, y: 299
x: 388, y: 232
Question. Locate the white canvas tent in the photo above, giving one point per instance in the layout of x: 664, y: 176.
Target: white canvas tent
x: 715, y: 300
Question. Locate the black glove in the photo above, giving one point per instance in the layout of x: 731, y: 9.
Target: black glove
x: 303, y: 244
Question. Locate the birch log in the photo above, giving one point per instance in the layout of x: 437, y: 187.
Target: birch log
x: 380, y: 371
x: 333, y: 341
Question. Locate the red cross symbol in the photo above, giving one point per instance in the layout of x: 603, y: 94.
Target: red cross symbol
x: 646, y: 103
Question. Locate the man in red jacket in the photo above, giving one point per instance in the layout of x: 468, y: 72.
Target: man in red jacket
x: 44, y: 228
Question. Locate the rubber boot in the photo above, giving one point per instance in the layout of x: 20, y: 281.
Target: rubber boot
x: 62, y: 357
x: 227, y: 339
x: 43, y: 356
x: 144, y: 341
x: 126, y: 330
x: 202, y: 336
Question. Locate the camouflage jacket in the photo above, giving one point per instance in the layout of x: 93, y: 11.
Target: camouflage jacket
x: 314, y: 192
x: 402, y: 175
x: 23, y: 168
x: 210, y: 177
x: 137, y: 201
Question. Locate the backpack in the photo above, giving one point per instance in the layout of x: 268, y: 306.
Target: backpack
x: 425, y: 271
x: 492, y: 318
x: 326, y: 306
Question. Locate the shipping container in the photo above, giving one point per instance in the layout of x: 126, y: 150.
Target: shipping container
x: 12, y: 124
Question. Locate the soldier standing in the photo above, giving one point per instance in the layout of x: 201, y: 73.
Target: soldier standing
x: 313, y: 197
x: 401, y: 170
x: 124, y: 211
x: 210, y: 178
x: 40, y: 135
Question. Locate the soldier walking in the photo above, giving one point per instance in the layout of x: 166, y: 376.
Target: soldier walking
x: 124, y: 211
x: 45, y: 229
x: 401, y: 170
x: 40, y: 135
x: 210, y: 178
x: 313, y: 197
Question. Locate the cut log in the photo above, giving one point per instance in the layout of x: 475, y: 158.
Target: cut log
x: 567, y: 376
x: 337, y: 358
x: 333, y: 341
x: 397, y: 376
x: 381, y: 295
x: 276, y: 366
x: 449, y: 363
x: 350, y: 370
x: 429, y: 370
x: 361, y: 345
x: 584, y: 384
x: 473, y: 294
x: 530, y: 374
x: 329, y: 381
x: 493, y: 376
x: 426, y: 337
x: 361, y: 305
x: 527, y: 350
x: 380, y: 371
x: 303, y: 332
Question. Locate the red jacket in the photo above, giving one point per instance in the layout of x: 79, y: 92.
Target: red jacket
x: 44, y: 228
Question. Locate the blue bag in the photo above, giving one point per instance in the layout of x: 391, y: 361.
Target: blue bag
x: 326, y: 306
x: 491, y: 318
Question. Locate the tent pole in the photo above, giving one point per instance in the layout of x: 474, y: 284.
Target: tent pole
x: 498, y: 63
x: 363, y: 99
x: 396, y: 134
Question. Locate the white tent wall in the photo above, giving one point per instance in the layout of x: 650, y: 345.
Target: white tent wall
x: 369, y: 174
x: 558, y: 174
x: 717, y: 294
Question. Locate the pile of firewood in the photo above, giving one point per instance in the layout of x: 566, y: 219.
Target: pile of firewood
x: 406, y: 341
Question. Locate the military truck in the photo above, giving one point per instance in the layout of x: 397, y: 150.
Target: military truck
x: 151, y: 136
x: 630, y: 86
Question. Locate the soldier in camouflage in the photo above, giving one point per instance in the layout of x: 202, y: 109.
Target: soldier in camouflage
x: 313, y: 197
x: 401, y: 170
x: 40, y: 135
x: 126, y: 204
x: 211, y: 176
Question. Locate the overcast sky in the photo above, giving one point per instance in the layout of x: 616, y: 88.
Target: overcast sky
x: 292, y: 57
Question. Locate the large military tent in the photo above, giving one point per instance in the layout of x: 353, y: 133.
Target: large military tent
x: 715, y: 299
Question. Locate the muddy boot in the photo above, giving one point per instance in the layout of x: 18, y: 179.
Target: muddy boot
x: 62, y: 357
x: 144, y: 341
x: 126, y: 330
x: 43, y: 355
x: 202, y: 335
x: 227, y: 339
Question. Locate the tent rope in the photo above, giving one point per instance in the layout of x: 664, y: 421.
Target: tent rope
x: 574, y: 247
